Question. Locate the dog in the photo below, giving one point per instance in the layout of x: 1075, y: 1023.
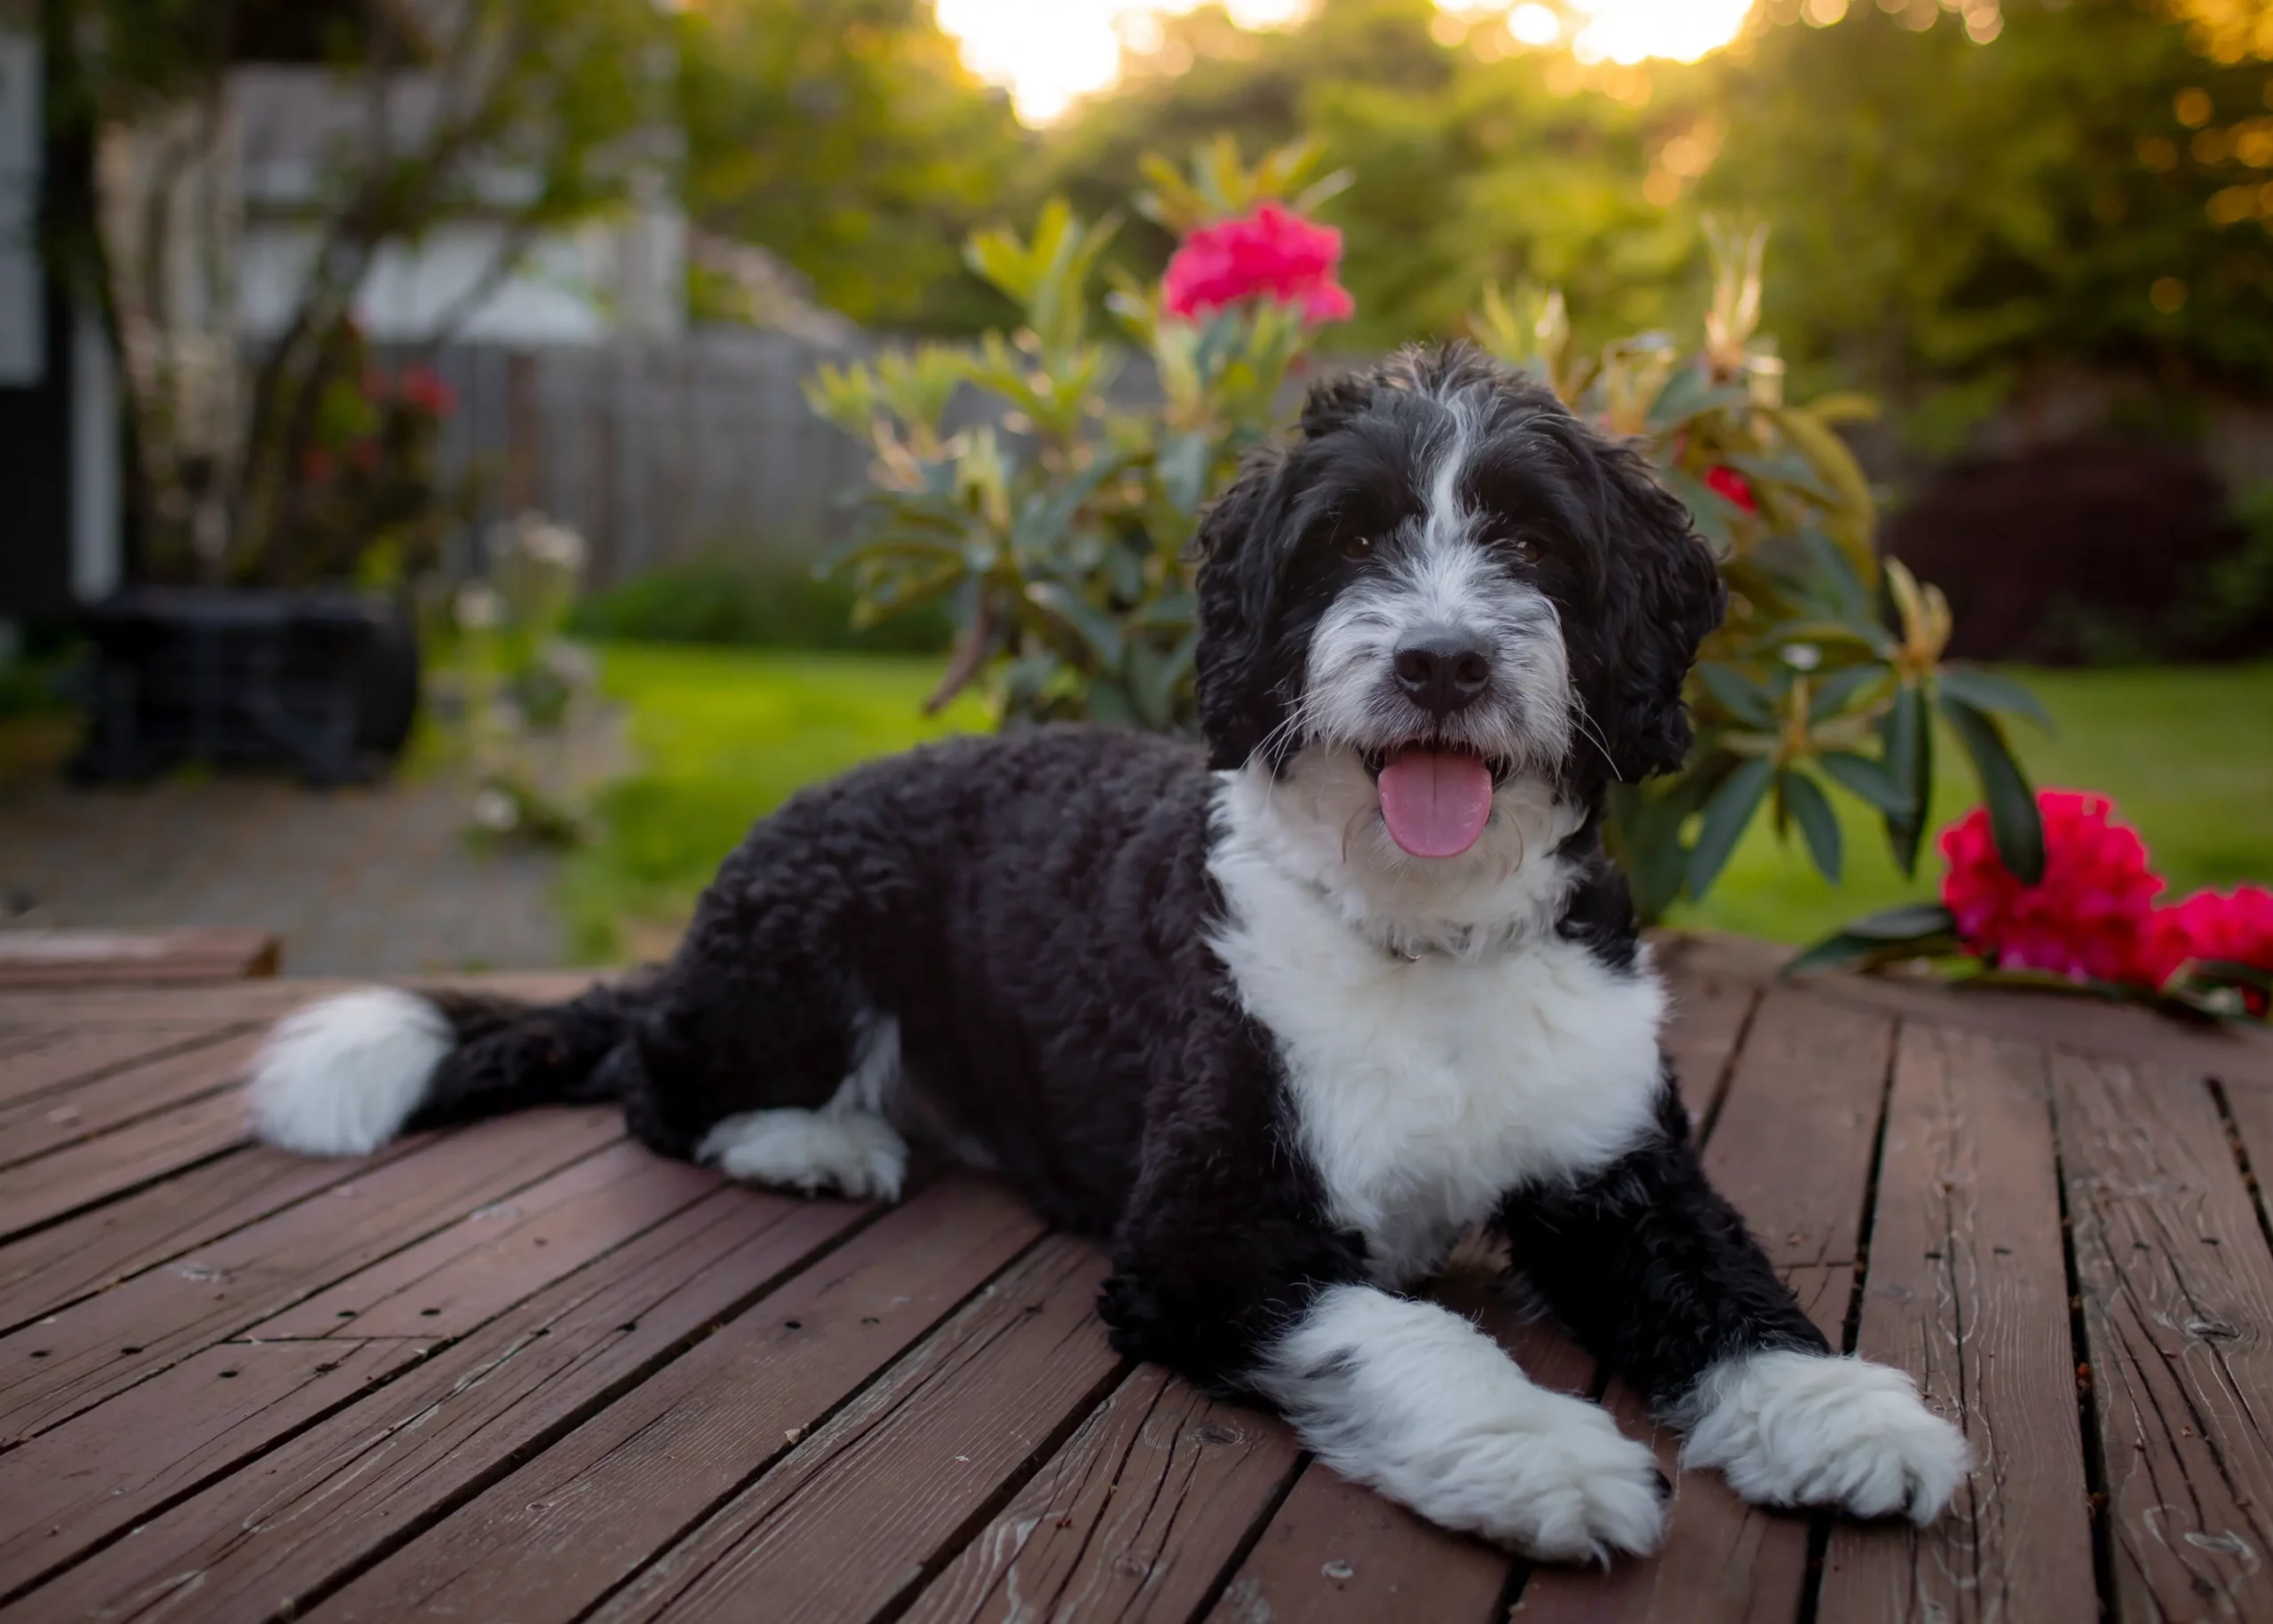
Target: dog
x: 1278, y: 1021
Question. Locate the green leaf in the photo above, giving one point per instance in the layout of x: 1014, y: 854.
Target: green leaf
x: 1726, y: 816
x: 1988, y: 691
x: 1868, y: 779
x: 1909, y: 733
x: 2013, y: 816
x: 1689, y: 394
x: 1915, y: 929
x: 1832, y: 691
x: 1738, y: 694
x: 1091, y: 624
x: 1183, y: 470
x: 1817, y: 823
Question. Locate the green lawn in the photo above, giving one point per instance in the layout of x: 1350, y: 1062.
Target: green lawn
x: 2186, y: 754
x: 725, y: 735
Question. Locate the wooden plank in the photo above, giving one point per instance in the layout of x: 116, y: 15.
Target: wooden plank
x: 1338, y: 1553
x: 2177, y: 1288
x: 1968, y: 1293
x: 43, y: 1272
x: 253, y: 1002
x: 1135, y: 1518
x: 32, y: 1128
x: 1792, y: 1147
x: 83, y: 958
x: 555, y: 1536
x: 454, y: 1280
x: 847, y: 1522
x: 2252, y: 1107
x: 1711, y: 1010
x: 51, y: 1370
x: 97, y: 1477
x: 97, y: 1169
x: 1793, y: 1142
x: 329, y: 1501
x: 62, y: 1059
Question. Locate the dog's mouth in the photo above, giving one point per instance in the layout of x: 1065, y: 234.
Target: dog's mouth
x: 1436, y: 798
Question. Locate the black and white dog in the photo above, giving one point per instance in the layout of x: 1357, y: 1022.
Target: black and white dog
x: 1277, y: 1023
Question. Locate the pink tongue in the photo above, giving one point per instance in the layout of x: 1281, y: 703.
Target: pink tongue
x: 1435, y: 803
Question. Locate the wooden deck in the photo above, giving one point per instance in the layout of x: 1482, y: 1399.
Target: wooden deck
x: 528, y: 1372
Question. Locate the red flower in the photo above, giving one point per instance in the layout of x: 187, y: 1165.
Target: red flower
x: 2232, y: 927
x: 2083, y: 920
x: 1271, y: 254
x: 1731, y: 485
x: 428, y: 393
x: 316, y: 466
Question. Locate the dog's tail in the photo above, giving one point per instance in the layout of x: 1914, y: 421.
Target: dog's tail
x: 343, y: 1077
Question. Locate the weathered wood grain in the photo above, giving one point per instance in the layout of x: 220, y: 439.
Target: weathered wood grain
x: 1793, y: 1145
x: 52, y: 1369
x: 2177, y: 1289
x: 47, y: 1122
x: 1968, y: 1293
x: 121, y: 1462
x: 1710, y: 1010
x: 853, y: 1516
x: 275, y: 1535
x: 61, y: 1057
x: 52, y: 1267
x: 556, y: 1536
x: 1135, y: 1518
x: 109, y: 1165
x: 453, y: 1280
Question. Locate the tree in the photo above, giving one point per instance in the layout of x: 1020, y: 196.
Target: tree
x: 2084, y: 188
x: 560, y: 96
x: 847, y: 137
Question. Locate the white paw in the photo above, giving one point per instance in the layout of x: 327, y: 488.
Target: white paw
x: 1561, y: 1484
x: 851, y: 1151
x: 1793, y: 1428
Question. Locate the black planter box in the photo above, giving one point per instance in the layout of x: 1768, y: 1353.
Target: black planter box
x: 324, y: 683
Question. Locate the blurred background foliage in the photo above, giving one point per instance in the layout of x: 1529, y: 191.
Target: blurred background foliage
x: 2089, y: 187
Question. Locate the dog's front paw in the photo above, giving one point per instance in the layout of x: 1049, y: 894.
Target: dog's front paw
x: 1556, y: 1480
x: 1793, y: 1428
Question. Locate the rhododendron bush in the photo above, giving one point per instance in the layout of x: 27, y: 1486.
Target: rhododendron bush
x: 2094, y: 920
x: 1058, y: 523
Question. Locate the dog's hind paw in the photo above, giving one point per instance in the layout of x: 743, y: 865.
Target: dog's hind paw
x: 1793, y: 1429
x: 853, y: 1153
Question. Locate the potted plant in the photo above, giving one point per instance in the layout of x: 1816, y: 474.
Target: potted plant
x: 306, y: 653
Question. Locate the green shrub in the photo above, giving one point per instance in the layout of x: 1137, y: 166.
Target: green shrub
x: 720, y: 601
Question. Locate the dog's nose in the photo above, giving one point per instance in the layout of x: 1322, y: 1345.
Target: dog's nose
x: 1442, y: 672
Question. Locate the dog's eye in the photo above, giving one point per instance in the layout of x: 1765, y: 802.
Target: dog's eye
x: 1521, y: 546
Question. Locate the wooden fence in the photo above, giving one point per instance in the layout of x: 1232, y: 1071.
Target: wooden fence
x: 657, y: 451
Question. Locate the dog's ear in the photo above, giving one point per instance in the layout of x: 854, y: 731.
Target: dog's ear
x: 1662, y: 596
x: 1239, y: 705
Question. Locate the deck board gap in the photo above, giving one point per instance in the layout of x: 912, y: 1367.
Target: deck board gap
x: 1727, y: 1072
x: 2239, y: 1145
x: 1852, y: 1329
x: 1013, y: 1484
x: 1253, y: 1537
x: 719, y: 1503
x: 480, y: 1483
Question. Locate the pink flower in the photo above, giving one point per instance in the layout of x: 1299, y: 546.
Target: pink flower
x: 2232, y: 927
x: 426, y: 392
x: 1271, y: 254
x: 1733, y: 487
x: 2083, y: 920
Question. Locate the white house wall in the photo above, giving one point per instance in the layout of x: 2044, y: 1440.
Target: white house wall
x: 552, y: 297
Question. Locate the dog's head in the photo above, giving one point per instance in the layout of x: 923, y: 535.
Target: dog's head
x: 1452, y: 585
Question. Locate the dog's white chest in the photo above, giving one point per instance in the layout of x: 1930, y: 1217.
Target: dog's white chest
x: 1426, y: 1090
